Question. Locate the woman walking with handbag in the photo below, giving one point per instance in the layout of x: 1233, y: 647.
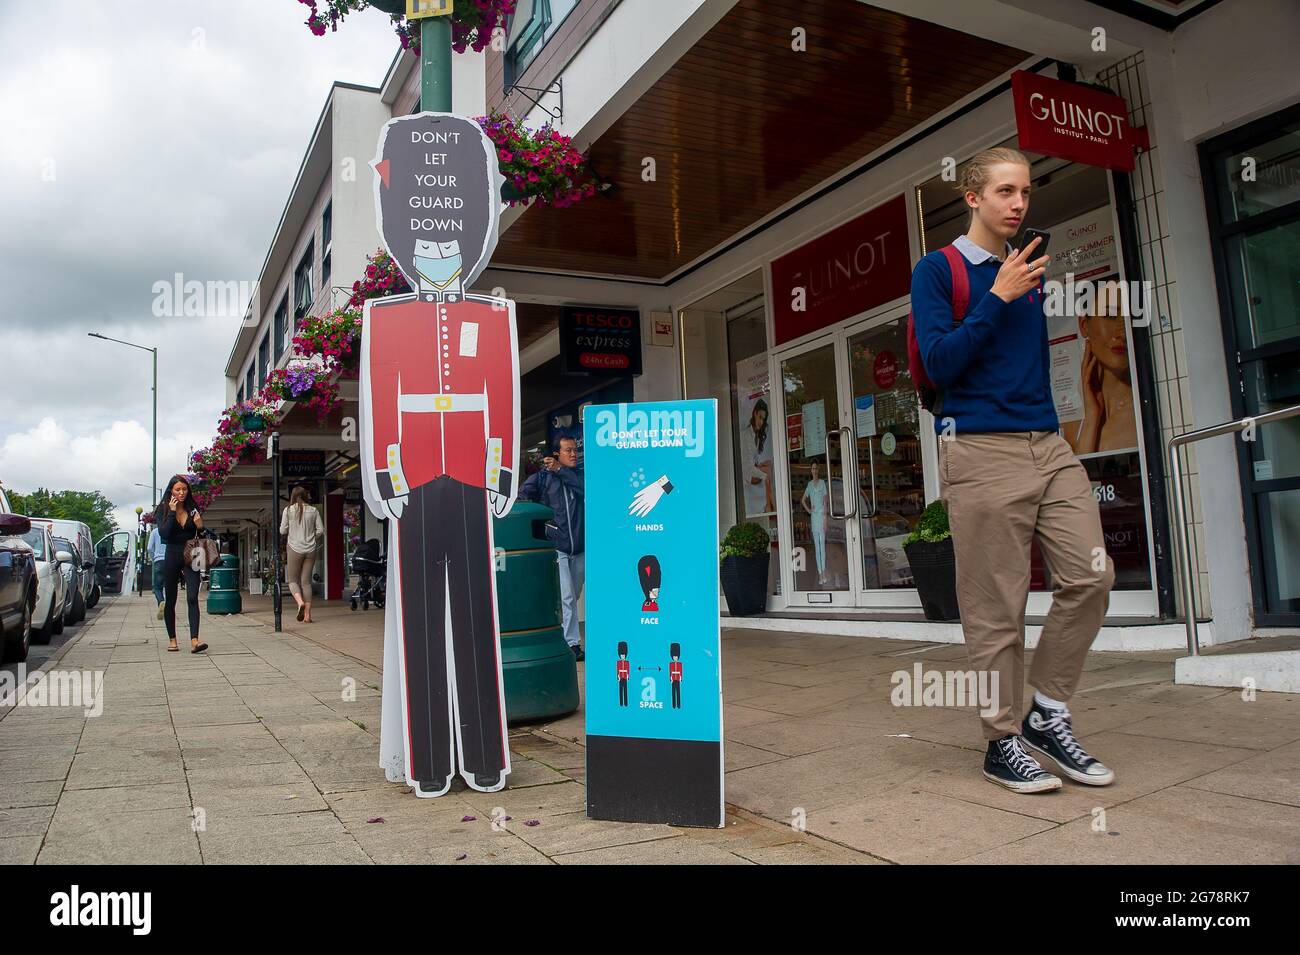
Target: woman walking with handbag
x: 179, y: 522
x: 301, y: 522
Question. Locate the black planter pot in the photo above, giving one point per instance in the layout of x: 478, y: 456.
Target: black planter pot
x: 744, y: 582
x: 934, y: 568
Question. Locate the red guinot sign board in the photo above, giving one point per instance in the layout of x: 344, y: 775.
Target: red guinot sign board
x: 862, y: 264
x: 1074, y: 122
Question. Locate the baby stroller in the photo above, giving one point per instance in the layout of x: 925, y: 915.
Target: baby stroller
x: 370, y: 564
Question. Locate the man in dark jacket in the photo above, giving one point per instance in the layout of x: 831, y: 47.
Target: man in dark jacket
x: 559, y: 485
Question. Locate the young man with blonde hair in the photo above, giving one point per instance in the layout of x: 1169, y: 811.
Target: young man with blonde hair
x: 1009, y: 478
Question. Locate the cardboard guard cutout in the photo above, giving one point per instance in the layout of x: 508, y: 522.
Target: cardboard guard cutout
x: 440, y: 446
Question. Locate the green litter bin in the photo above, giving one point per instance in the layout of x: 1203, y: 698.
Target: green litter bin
x: 541, y: 675
x: 223, y: 586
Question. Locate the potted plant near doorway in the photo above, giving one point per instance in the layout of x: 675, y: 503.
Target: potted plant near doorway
x: 934, y: 565
x: 744, y: 554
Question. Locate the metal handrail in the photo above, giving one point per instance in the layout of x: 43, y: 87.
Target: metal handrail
x: 1180, y: 504
x: 844, y: 477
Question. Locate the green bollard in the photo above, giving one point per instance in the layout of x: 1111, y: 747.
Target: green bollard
x: 540, y: 673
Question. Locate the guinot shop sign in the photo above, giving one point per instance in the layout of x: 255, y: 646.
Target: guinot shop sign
x: 1074, y: 122
x: 862, y: 264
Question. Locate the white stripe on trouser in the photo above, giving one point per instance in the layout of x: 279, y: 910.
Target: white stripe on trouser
x: 572, y: 568
x: 392, y: 728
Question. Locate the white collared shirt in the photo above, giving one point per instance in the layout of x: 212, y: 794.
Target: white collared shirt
x: 975, y: 254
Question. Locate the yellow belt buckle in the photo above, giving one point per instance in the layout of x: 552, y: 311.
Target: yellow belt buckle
x: 442, y: 403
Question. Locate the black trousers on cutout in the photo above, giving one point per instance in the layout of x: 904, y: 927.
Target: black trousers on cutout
x: 442, y: 539
x: 174, y: 565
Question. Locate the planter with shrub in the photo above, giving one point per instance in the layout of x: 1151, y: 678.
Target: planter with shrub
x: 934, y: 566
x: 744, y: 555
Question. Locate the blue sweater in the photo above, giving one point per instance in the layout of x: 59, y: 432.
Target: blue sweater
x: 992, y: 370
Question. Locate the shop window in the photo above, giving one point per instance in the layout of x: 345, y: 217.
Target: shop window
x: 303, y: 288
x: 326, y: 241
x: 724, y: 341
x: 250, y: 379
x: 263, y: 359
x: 887, y: 433
x: 283, y: 333
x: 1094, y: 382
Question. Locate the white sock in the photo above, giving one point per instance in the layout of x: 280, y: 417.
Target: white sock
x: 1047, y: 702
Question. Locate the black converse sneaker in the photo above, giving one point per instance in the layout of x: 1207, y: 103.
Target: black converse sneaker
x: 1007, y: 764
x: 1049, y: 732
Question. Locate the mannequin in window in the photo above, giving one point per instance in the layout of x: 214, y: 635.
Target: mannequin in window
x: 814, y: 502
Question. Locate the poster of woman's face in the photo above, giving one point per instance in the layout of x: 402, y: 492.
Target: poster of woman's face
x: 754, y: 417
x: 1104, y: 384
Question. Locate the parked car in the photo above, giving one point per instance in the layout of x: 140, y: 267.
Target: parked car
x: 17, y: 587
x: 113, y: 568
x: 78, y: 533
x: 70, y: 574
x: 51, y: 588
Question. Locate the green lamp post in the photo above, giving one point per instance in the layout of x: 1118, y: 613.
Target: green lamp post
x: 435, y: 47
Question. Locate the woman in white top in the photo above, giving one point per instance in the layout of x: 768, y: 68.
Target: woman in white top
x: 301, y: 522
x: 814, y: 502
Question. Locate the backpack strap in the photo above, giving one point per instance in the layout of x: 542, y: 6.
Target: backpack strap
x: 960, y: 303
x: 960, y: 283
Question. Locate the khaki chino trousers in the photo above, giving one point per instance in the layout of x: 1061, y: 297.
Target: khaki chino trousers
x: 1003, y: 491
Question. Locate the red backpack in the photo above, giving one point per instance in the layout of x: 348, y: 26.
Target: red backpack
x: 925, y: 388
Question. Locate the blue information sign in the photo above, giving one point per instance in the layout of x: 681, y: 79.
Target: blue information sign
x: 653, y: 647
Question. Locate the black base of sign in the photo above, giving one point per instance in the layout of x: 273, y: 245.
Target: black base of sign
x: 672, y: 781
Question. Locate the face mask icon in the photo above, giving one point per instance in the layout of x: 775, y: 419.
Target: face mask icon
x: 650, y: 576
x: 438, y: 266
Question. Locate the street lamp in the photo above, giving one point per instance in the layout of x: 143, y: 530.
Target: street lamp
x: 155, y: 399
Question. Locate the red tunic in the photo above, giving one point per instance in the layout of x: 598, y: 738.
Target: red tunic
x: 442, y: 389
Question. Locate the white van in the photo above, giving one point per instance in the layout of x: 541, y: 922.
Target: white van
x: 78, y: 533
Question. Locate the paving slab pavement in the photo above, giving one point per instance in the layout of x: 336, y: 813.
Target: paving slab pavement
x: 265, y: 750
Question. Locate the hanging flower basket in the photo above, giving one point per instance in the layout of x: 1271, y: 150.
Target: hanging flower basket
x: 255, y: 414
x: 335, y: 336
x: 539, y: 165
x: 382, y: 277
x: 324, y: 399
x: 472, y: 21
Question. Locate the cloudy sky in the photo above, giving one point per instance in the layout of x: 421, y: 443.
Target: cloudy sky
x: 141, y: 139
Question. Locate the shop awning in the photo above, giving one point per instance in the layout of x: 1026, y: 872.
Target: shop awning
x: 743, y: 124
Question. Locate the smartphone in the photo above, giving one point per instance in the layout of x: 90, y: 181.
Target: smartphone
x: 1030, y: 235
